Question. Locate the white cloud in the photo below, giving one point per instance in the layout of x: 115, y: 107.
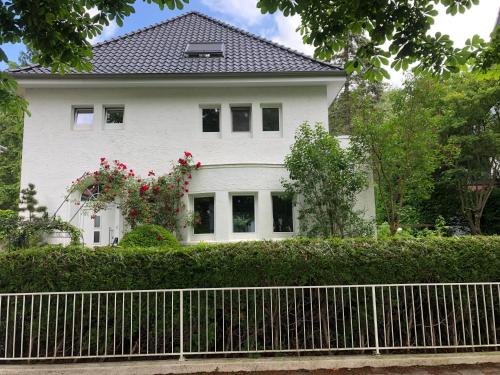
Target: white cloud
x: 108, y: 31
x: 246, y: 13
x: 241, y: 11
x: 288, y: 35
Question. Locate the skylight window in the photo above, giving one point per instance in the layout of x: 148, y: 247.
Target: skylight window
x: 212, y: 49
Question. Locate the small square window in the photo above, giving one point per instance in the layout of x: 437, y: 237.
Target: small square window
x: 114, y: 115
x: 243, y: 213
x: 211, y: 120
x: 282, y: 213
x: 204, y: 215
x: 270, y: 119
x: 83, y: 117
x: 241, y: 118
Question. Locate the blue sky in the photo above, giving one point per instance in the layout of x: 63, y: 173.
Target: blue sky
x: 244, y: 13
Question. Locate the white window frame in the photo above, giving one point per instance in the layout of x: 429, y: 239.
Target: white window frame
x: 82, y: 127
x: 203, y: 236
x: 250, y: 120
x: 272, y: 133
x: 255, y: 213
x: 294, y: 218
x: 210, y: 134
x: 113, y: 126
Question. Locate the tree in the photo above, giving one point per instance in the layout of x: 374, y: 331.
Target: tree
x: 343, y: 108
x: 59, y: 31
x: 395, y: 28
x: 399, y: 135
x: 470, y: 134
x: 325, y: 180
x: 11, y: 137
x: 29, y: 203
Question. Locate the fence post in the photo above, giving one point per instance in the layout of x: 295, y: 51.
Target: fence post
x: 375, y: 321
x: 181, y: 333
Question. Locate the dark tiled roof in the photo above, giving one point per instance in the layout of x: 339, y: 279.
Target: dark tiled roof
x: 160, y: 49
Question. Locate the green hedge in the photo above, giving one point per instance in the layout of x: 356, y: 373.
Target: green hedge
x: 291, y: 262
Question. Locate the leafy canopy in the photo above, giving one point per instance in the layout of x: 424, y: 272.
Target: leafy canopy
x: 399, y: 135
x: 58, y: 32
x: 396, y: 29
x: 325, y: 179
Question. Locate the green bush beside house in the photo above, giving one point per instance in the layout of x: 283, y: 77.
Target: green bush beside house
x: 244, y: 264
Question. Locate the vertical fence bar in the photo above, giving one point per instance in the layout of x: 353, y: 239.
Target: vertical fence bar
x: 181, y: 324
x: 375, y: 321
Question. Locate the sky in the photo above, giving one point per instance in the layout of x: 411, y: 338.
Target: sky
x: 480, y: 19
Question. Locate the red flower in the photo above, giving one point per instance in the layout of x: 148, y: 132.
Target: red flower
x: 151, y: 173
x: 190, y: 176
x: 156, y: 188
x: 186, y: 190
x: 187, y: 154
x: 198, y: 165
x: 103, y: 159
x: 177, y: 210
x: 182, y: 162
x: 178, y: 179
x: 144, y: 188
x: 106, y: 166
x: 186, y: 182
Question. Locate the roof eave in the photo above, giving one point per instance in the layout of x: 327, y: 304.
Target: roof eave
x: 166, y: 76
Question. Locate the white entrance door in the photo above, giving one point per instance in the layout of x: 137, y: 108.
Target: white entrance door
x: 99, y: 229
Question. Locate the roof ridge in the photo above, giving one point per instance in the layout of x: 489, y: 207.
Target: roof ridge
x: 262, y: 39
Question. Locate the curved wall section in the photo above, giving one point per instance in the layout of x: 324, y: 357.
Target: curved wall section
x: 222, y: 182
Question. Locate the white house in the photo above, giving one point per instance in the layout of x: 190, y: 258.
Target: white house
x: 191, y: 83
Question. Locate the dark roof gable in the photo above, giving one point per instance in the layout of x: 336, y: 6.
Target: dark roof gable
x: 160, y: 49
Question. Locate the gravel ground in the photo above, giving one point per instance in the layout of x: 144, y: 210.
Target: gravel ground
x: 481, y: 369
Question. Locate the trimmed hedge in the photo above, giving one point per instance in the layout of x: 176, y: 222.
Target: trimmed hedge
x: 149, y: 235
x: 263, y: 263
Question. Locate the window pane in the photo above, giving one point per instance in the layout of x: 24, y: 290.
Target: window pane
x: 282, y: 214
x: 204, y: 215
x: 97, y: 222
x: 210, y: 119
x: 241, y: 119
x: 271, y: 119
x: 84, y: 116
x: 243, y: 213
x: 114, y: 115
x: 97, y: 237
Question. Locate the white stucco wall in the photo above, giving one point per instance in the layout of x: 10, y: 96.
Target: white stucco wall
x: 160, y: 124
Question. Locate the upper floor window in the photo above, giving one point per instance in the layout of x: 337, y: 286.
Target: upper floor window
x: 270, y: 119
x: 83, y: 117
x: 241, y: 116
x: 211, y: 119
x: 114, y: 115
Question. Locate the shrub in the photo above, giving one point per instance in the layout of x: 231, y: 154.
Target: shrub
x: 149, y: 235
x: 244, y: 264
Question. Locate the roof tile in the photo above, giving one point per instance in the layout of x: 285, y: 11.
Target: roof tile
x: 160, y: 49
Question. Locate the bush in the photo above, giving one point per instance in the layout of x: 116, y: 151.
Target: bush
x: 149, y: 235
x: 244, y: 264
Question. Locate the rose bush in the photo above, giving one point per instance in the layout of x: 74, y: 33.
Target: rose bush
x: 151, y: 200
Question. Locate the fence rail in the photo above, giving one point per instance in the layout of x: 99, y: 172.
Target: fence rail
x: 224, y: 321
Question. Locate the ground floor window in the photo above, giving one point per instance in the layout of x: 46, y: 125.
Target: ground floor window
x: 243, y: 213
x: 205, y: 216
x: 282, y: 213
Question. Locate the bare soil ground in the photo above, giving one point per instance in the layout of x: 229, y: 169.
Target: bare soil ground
x: 480, y: 369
